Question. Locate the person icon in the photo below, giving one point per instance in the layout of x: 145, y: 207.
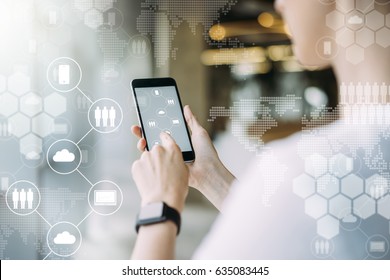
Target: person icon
x: 15, y: 198
x: 139, y: 47
x: 143, y: 47
x: 327, y: 247
x: 98, y: 116
x: 134, y: 45
x: 112, y: 116
x: 105, y: 116
x: 84, y: 102
x: 317, y: 247
x: 30, y: 199
x: 23, y: 197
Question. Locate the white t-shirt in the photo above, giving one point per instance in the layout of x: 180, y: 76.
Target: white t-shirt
x: 322, y: 193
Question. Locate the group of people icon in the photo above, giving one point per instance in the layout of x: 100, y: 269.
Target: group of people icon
x: 22, y: 196
x: 139, y: 47
x: 103, y: 115
x: 322, y: 247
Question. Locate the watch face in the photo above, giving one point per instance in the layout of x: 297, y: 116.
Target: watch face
x: 150, y: 211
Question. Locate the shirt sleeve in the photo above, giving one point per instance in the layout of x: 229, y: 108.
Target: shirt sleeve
x: 262, y: 218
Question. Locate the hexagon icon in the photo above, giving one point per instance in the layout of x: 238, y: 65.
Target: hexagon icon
x: 364, y: 206
x: 355, y: 20
x: 365, y: 37
x: 335, y: 20
x: 316, y: 206
x: 93, y: 18
x: 316, y: 165
x: 340, y: 165
x: 388, y: 20
x: 340, y: 206
x: 31, y: 104
x: 29, y: 142
x: 55, y: 104
x: 83, y: 5
x: 2, y: 83
x: 384, y: 207
x: 19, y: 125
x: 376, y: 186
x: 60, y: 36
x: 19, y: 83
x: 375, y: 20
x: 383, y: 37
x: 355, y: 54
x: 345, y: 6
x: 104, y: 5
x: 365, y: 5
x: 345, y: 37
x: 8, y: 104
x: 328, y: 186
x: 328, y: 227
x: 304, y: 186
x: 43, y: 125
x: 352, y: 186
x: 47, y: 52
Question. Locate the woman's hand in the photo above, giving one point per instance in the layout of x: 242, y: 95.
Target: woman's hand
x: 162, y: 175
x: 207, y: 173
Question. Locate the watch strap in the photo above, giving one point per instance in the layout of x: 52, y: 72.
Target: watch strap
x: 168, y: 214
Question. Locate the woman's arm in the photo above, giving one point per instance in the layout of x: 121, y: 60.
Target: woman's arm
x: 161, y: 176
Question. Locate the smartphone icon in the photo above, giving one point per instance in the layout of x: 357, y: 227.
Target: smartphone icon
x: 64, y: 74
x: 159, y: 109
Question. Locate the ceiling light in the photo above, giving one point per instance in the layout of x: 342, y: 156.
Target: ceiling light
x: 266, y: 20
x: 217, y: 32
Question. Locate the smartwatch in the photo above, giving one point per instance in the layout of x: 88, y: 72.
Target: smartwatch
x: 157, y: 212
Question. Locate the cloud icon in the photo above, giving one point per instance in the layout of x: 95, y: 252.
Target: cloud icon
x: 349, y: 219
x: 64, y: 156
x: 161, y: 112
x: 64, y: 238
x: 33, y: 155
x: 112, y: 73
x: 355, y: 20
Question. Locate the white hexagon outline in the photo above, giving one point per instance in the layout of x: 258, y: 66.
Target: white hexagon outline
x: 26, y: 118
x: 321, y: 220
x: 295, y: 186
x: 357, y: 211
x: 321, y: 192
x: 17, y: 103
x: 347, y: 177
x: 316, y: 196
x: 23, y: 105
x: 34, y: 123
x: 342, y: 210
x: 88, y: 13
x: 51, y: 96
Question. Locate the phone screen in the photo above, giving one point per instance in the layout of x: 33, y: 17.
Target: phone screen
x: 160, y: 109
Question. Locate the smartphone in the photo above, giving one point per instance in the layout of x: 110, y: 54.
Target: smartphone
x: 159, y: 109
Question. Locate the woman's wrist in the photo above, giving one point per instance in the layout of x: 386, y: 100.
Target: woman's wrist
x: 216, y: 184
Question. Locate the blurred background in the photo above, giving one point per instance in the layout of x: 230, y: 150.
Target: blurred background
x: 233, y: 63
